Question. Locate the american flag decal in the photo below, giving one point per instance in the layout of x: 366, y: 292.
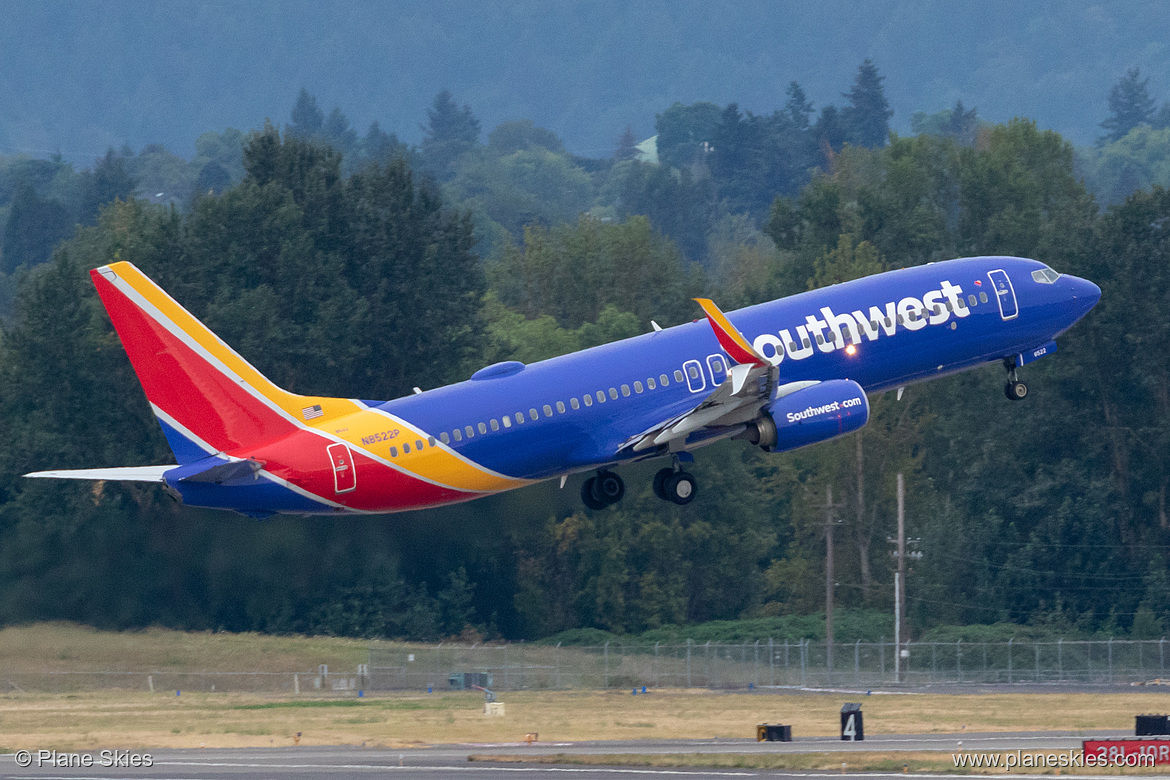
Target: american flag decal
x: 311, y: 412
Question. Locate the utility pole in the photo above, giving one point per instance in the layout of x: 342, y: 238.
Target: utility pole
x: 901, y: 599
x: 900, y: 578
x: 830, y: 523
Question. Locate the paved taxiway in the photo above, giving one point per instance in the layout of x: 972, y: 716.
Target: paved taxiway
x: 450, y: 762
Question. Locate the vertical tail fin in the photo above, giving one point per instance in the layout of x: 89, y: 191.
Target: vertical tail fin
x: 207, y: 398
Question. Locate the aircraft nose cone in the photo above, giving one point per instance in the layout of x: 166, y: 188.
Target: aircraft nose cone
x: 1085, y: 294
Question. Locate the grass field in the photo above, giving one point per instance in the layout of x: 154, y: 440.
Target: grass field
x: 909, y: 762
x: 68, y: 647
x: 109, y: 719
x: 138, y: 719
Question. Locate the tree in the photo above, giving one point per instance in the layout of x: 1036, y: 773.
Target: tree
x: 450, y: 132
x: 523, y: 136
x: 572, y: 271
x: 626, y: 145
x: 307, y: 118
x: 33, y: 228
x: 1130, y: 105
x: 108, y: 181
x: 683, y: 129
x: 867, y: 117
x: 798, y: 108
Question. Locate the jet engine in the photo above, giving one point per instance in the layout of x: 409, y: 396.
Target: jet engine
x: 812, y: 414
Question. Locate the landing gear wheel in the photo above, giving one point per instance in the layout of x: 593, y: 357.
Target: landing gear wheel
x: 587, y: 495
x: 680, y: 487
x: 1015, y: 391
x: 660, y: 482
x: 608, y: 488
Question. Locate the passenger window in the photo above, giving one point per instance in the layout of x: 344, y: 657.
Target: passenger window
x: 547, y: 410
x: 601, y: 396
x: 443, y: 437
x: 535, y: 415
x: 613, y: 393
x: 820, y: 339
x: 573, y: 402
x: 495, y: 425
x: 507, y: 421
x: 637, y: 386
x: 678, y: 375
x: 662, y: 380
x: 792, y: 346
x: 588, y: 399
x: 431, y: 440
x: 418, y: 446
x: 983, y: 297
x: 458, y: 436
x: 971, y: 300
x: 889, y: 323
x: 807, y: 343
x: 519, y: 417
x: 393, y: 452
x: 560, y: 407
x: 405, y: 448
x: 649, y: 384
x: 469, y: 431
x: 482, y: 428
x: 626, y: 390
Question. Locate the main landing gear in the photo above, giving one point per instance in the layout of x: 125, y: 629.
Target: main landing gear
x: 603, y: 490
x: 674, y: 484
x: 1015, y: 390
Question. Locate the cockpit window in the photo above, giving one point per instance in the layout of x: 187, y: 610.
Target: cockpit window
x: 1045, y: 276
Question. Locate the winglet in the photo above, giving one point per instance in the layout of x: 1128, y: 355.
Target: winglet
x: 729, y: 337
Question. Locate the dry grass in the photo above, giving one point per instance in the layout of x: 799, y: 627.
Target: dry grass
x: 140, y: 720
x: 910, y: 762
x: 44, y: 647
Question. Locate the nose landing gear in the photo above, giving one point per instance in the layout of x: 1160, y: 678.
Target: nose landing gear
x: 1015, y: 390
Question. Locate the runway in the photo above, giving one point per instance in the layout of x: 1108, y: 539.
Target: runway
x: 450, y: 762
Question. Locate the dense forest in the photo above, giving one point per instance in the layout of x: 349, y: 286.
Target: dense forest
x: 306, y: 246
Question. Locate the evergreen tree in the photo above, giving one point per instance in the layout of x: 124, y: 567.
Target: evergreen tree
x: 798, y: 108
x: 626, y: 144
x: 34, y: 227
x: 108, y: 181
x: 307, y: 118
x: 1130, y: 105
x: 450, y: 132
x: 962, y: 125
x: 867, y: 117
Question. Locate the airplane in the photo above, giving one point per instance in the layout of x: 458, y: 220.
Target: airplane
x: 780, y: 375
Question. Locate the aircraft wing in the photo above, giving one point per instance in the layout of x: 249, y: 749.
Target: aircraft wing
x: 749, y: 385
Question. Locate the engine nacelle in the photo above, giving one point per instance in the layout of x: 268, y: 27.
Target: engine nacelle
x: 818, y: 413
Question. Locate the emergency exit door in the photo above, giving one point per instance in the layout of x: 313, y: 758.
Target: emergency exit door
x: 344, y: 474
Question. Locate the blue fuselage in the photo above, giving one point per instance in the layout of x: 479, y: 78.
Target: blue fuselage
x: 883, y: 331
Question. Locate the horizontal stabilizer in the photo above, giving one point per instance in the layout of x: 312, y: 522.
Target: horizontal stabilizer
x: 124, y: 474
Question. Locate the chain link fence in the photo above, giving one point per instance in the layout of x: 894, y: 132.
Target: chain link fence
x: 712, y: 665
x: 768, y: 663
x: 318, y: 681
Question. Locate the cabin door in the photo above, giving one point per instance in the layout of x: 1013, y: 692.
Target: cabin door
x: 1005, y: 294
